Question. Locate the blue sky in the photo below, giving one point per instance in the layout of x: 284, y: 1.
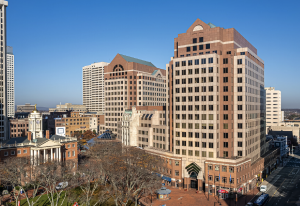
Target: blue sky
x: 53, y: 40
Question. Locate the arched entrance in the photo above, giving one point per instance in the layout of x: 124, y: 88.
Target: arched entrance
x: 193, y: 170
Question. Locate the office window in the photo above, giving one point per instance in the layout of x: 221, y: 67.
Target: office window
x: 210, y: 60
x: 240, y: 98
x: 225, y: 70
x: 207, y: 46
x: 200, y: 47
x: 203, y: 144
x: 211, y: 88
x: 240, y: 71
x: 240, y: 107
x: 225, y: 116
x: 240, y: 126
x: 225, y: 88
x: 197, y: 63
x: 225, y: 107
x: 240, y: 144
x: 190, y: 62
x: 203, y: 61
x: 225, y: 144
x: 225, y: 135
x: 240, y: 89
x: 176, y: 64
x: 225, y: 60
x: 239, y: 61
x: 210, y: 69
x: 240, y: 116
x: 183, y: 63
x: 200, y: 39
x: 194, y: 40
x: 188, y: 49
x: 225, y: 98
x: 211, y: 145
x: 225, y: 79
x: 240, y: 134
x: 194, y: 48
x: 240, y: 153
x: 224, y: 168
x: 240, y: 80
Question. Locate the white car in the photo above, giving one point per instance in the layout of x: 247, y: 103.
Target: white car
x: 249, y: 204
x: 263, y: 188
x: 61, y: 185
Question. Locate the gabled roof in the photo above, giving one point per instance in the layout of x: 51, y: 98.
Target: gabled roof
x: 139, y: 61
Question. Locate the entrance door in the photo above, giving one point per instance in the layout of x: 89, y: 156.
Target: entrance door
x: 194, y: 184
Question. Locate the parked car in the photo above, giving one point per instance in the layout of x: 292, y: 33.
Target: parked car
x: 61, y: 185
x: 249, y: 204
x: 263, y: 188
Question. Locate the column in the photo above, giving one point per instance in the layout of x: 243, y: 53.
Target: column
x: 200, y: 185
x: 51, y: 153
x: 31, y: 156
x: 38, y: 156
x: 59, y: 154
x: 56, y: 154
x: 44, y: 155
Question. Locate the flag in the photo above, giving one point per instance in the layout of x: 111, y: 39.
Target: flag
x: 230, y: 178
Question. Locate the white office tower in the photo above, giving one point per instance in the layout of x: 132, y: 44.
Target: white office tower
x: 3, y: 71
x: 10, y: 82
x: 93, y: 86
x: 273, y: 107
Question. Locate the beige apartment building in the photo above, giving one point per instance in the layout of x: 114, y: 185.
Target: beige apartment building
x: 274, y: 115
x: 93, y: 87
x: 131, y: 82
x: 69, y: 107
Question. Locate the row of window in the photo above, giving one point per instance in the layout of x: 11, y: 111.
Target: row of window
x: 196, y: 107
x: 195, y: 48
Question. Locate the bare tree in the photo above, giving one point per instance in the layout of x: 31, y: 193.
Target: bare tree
x: 91, y: 183
x: 12, y: 175
x: 129, y: 170
x: 51, y: 174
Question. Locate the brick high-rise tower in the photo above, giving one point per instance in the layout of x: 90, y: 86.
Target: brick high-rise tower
x: 216, y: 103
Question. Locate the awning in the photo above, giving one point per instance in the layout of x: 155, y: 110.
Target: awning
x: 166, y: 178
x: 157, y: 174
x: 223, y: 191
x: 240, y: 189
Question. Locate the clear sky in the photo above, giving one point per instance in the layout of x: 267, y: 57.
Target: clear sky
x: 53, y: 40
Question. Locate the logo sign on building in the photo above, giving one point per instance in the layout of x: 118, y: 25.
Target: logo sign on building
x: 61, y: 131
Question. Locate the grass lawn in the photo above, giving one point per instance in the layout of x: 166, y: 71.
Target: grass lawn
x: 43, y: 201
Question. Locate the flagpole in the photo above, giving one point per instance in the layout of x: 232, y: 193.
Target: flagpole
x: 219, y: 186
x: 229, y: 187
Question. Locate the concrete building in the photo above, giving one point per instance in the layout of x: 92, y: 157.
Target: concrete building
x: 216, y: 107
x: 145, y: 126
x: 4, y: 133
x: 93, y: 87
x: 10, y: 82
x: 19, y: 127
x: 68, y: 107
x: 274, y: 115
x: 79, y: 122
x: 131, y: 82
x: 25, y: 108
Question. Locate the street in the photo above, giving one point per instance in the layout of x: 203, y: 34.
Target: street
x: 284, y: 185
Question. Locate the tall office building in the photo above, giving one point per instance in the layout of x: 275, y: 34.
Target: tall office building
x: 216, y: 105
x: 273, y: 107
x: 93, y: 86
x: 131, y: 82
x: 10, y: 82
x: 3, y: 74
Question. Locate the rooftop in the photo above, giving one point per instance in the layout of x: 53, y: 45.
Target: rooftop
x: 139, y: 61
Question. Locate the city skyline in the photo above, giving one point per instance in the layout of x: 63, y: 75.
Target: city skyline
x: 50, y: 52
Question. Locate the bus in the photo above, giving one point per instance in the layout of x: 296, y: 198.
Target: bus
x: 261, y: 200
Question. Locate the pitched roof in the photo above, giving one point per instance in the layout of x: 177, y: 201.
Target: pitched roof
x: 211, y: 25
x: 139, y: 61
